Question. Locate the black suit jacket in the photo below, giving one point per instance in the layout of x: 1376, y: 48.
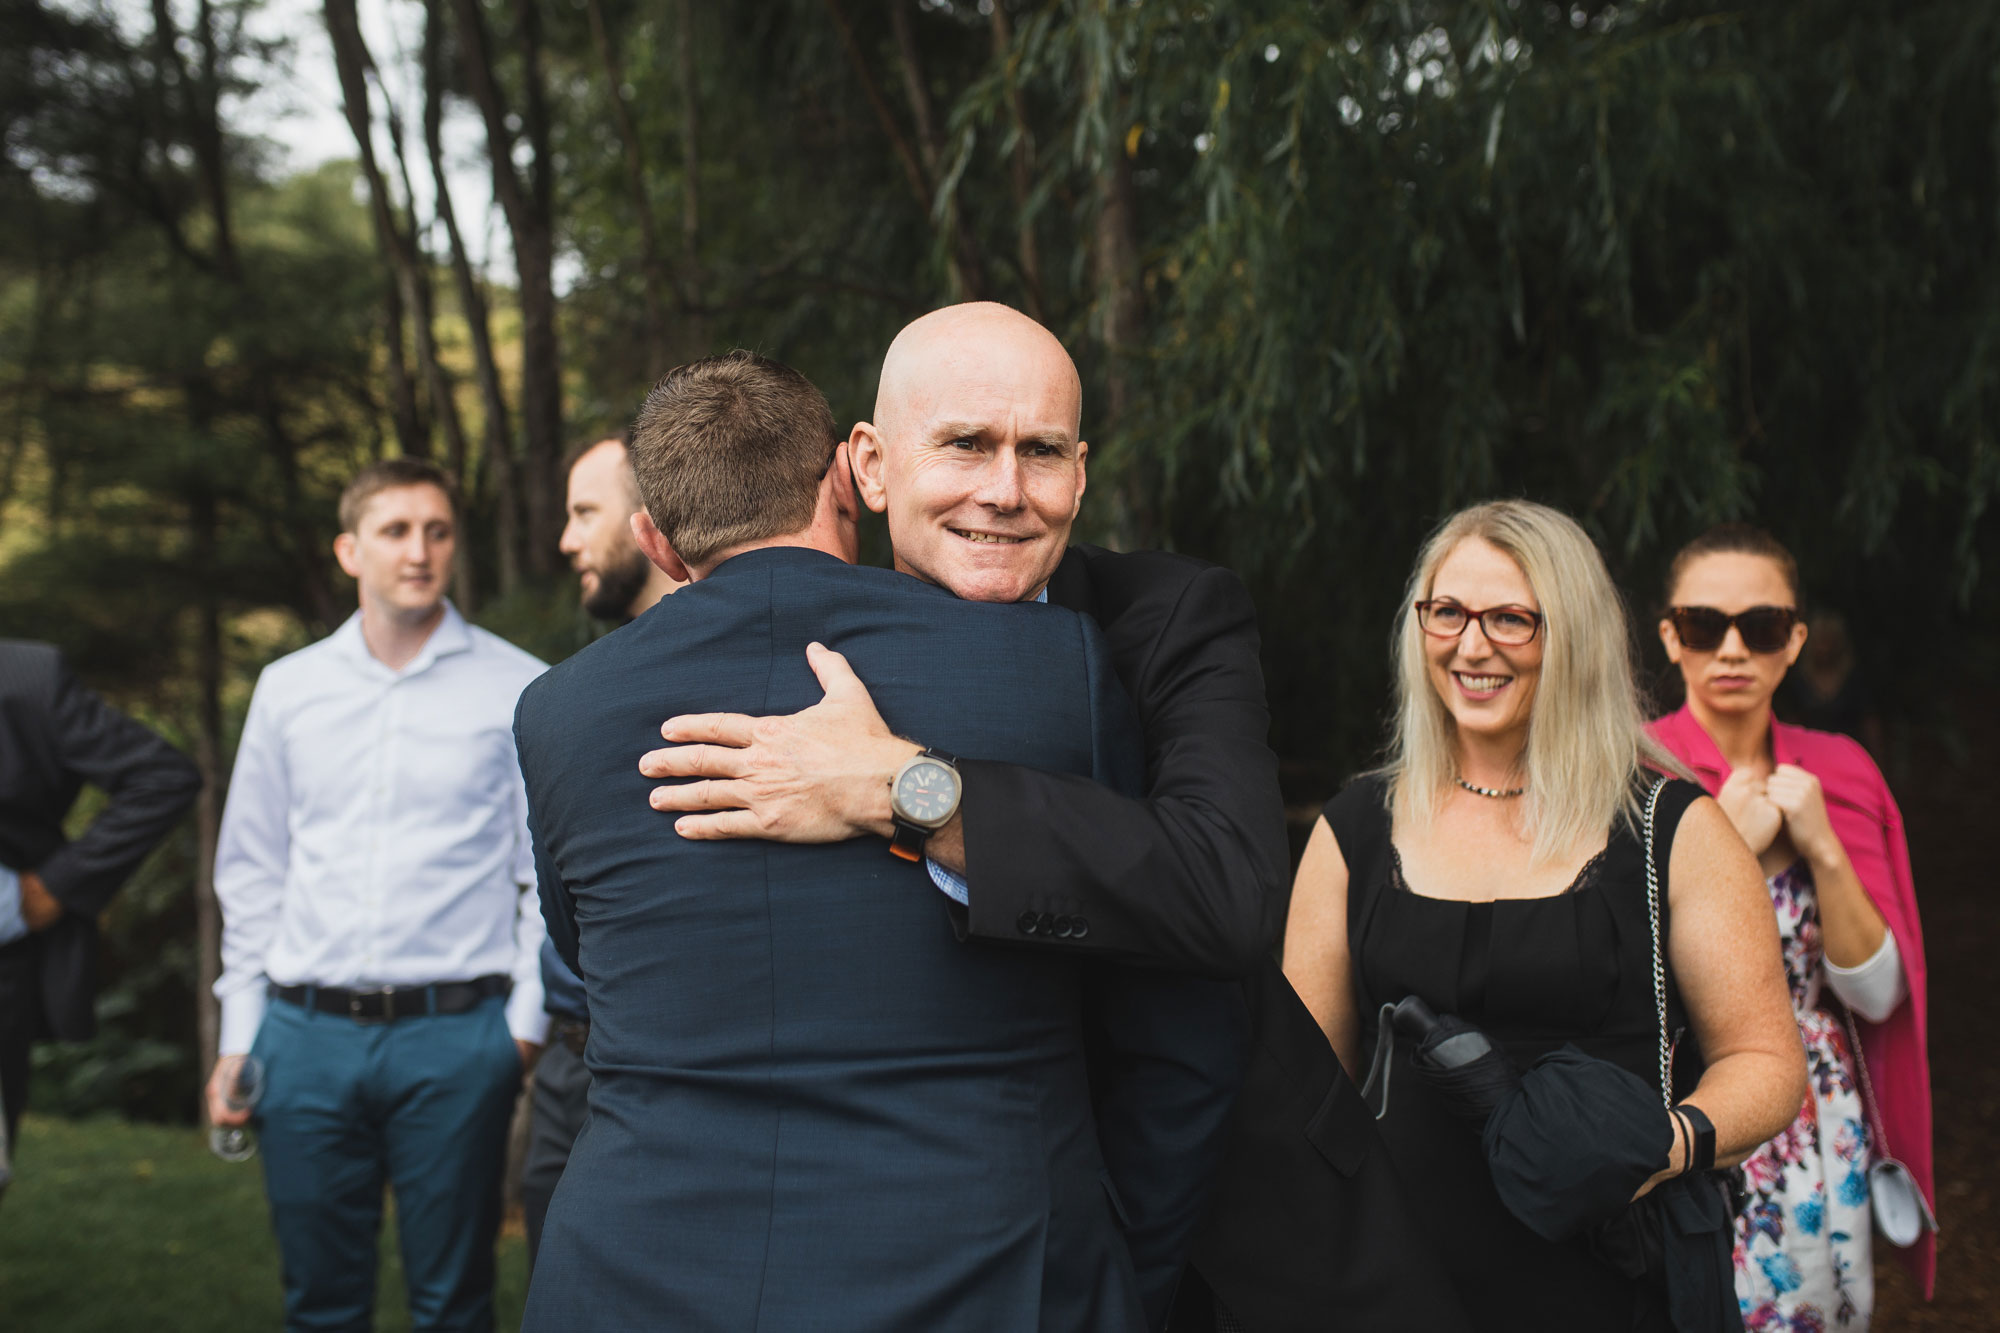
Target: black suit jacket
x: 1306, y: 1228
x: 55, y: 735
x: 1192, y: 876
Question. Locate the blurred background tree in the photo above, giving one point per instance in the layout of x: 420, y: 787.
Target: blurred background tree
x: 1330, y: 271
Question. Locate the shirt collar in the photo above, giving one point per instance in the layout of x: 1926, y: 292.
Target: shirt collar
x: 452, y: 636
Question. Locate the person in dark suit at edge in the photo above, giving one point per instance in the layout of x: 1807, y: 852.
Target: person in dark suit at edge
x: 56, y: 735
x: 808, y: 1106
x: 617, y: 583
x: 1191, y: 876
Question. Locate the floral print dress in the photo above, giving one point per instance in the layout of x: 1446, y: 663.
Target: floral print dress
x: 1803, y: 1263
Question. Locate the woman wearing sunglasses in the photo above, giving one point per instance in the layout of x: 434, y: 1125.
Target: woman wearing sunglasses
x: 1495, y: 868
x: 1829, y: 839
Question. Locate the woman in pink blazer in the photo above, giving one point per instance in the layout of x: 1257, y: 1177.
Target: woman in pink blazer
x: 1815, y: 809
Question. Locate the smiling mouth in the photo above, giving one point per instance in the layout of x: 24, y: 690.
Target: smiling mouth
x: 1480, y: 684
x: 986, y: 538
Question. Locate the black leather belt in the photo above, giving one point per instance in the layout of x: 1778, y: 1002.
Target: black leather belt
x: 386, y: 1004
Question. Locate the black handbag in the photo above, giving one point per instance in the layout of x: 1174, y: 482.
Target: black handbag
x: 1677, y: 1240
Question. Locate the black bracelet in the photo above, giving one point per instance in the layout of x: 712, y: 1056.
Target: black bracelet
x: 1701, y: 1157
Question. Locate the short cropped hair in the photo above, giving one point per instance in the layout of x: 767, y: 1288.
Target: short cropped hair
x: 731, y: 449
x: 589, y: 442
x: 390, y: 474
x: 1733, y: 539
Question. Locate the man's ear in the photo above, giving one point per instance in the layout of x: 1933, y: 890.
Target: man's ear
x: 344, y: 552
x: 656, y: 548
x: 1082, y: 457
x: 841, y: 474
x: 866, y: 458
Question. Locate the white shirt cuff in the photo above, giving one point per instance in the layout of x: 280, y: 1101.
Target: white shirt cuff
x: 242, y: 1015
x: 13, y: 925
x: 1873, y: 989
x: 954, y: 887
x: 526, y: 1018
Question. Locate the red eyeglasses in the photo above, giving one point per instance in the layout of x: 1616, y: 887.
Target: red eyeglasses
x: 1508, y: 626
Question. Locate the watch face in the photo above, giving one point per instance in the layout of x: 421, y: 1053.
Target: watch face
x: 927, y: 793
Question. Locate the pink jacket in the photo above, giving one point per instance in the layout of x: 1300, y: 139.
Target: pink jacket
x: 1865, y: 819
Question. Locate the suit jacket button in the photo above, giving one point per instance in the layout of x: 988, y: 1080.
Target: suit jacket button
x: 1063, y: 927
x: 1046, y: 923
x: 1079, y: 927
x: 1027, y: 923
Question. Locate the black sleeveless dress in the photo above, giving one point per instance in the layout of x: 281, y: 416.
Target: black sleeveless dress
x: 1535, y: 974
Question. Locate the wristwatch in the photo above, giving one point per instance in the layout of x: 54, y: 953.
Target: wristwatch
x: 922, y: 799
x: 1701, y: 1138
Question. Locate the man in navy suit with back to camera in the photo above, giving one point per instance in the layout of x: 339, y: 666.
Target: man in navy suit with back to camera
x: 812, y: 1107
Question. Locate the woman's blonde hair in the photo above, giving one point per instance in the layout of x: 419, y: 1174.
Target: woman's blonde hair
x: 1587, y: 748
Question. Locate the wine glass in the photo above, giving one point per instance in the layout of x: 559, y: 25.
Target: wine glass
x: 238, y: 1143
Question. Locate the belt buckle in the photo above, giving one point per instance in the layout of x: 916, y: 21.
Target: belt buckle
x: 387, y: 994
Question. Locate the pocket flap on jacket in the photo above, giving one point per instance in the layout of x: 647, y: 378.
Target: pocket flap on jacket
x: 1341, y: 1128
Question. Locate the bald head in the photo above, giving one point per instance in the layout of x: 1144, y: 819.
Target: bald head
x: 974, y: 343
x: 973, y: 453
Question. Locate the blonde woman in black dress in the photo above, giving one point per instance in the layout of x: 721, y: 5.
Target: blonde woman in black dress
x: 1495, y: 869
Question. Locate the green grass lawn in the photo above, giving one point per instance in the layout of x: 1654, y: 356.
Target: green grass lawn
x: 113, y: 1227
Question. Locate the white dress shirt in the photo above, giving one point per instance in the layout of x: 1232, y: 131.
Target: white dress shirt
x: 13, y: 925
x: 376, y: 832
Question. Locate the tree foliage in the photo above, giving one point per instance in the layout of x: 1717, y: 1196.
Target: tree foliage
x: 1330, y: 271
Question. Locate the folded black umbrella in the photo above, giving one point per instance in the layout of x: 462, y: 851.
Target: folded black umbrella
x: 1574, y: 1142
x: 1462, y: 1063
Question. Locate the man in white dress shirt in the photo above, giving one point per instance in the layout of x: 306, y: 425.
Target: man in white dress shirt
x: 379, y: 955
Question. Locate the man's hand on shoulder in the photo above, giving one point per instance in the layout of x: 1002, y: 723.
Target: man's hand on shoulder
x: 821, y: 775
x: 39, y: 907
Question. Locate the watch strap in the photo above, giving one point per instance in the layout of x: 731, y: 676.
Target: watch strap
x: 1701, y: 1154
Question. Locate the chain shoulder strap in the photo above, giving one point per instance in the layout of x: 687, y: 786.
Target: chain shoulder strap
x: 1659, y: 955
x: 1880, y: 1148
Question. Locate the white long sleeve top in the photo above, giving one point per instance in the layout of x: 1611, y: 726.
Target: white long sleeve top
x: 376, y: 829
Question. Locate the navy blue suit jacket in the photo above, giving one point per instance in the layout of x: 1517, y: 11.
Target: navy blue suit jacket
x: 811, y: 1106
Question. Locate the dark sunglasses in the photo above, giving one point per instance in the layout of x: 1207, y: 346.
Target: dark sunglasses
x: 1765, y: 629
x: 1509, y: 626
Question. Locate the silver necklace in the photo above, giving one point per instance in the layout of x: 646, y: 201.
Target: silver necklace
x: 1494, y: 792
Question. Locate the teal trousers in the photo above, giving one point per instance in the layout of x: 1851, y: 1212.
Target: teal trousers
x: 420, y: 1105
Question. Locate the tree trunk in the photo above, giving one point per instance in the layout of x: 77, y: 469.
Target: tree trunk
x: 967, y: 269
x: 1121, y: 321
x: 209, y: 759
x: 695, y: 335
x: 1122, y: 303
x: 652, y: 271
x: 495, y: 439
x: 411, y: 437
x: 527, y: 208
x: 1022, y: 177
x: 913, y: 170
x: 398, y: 246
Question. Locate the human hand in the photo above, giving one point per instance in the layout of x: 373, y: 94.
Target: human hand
x: 821, y: 775
x: 39, y: 907
x: 530, y: 1052
x: 1677, y: 1160
x: 1798, y: 797
x: 1743, y: 799
x: 219, y: 1083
